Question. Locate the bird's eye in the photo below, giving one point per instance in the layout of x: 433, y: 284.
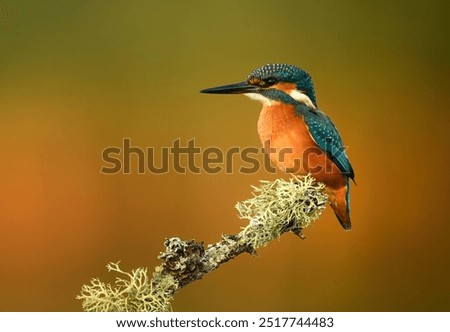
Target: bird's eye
x: 271, y: 81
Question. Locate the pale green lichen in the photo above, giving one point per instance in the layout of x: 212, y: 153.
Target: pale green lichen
x: 279, y: 205
x: 276, y: 207
x: 133, y: 292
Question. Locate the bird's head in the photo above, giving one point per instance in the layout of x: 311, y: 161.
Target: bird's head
x: 274, y: 82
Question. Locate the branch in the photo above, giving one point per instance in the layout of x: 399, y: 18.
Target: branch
x: 276, y: 208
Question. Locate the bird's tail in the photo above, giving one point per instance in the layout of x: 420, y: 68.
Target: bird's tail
x: 340, y: 202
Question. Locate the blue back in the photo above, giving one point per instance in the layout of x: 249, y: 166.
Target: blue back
x: 327, y: 137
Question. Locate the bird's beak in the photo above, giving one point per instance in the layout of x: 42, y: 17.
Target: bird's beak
x: 242, y: 87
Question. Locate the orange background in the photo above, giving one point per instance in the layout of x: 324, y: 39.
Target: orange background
x: 78, y: 76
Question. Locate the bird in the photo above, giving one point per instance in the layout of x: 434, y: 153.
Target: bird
x: 300, y: 137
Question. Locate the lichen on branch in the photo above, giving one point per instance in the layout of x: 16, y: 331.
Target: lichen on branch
x: 277, y: 207
x: 133, y: 292
x: 280, y: 206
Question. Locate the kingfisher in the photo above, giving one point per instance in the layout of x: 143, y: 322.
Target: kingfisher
x: 299, y: 137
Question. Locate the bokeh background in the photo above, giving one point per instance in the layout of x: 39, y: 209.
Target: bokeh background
x: 79, y: 76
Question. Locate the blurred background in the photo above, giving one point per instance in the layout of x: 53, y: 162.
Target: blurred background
x: 79, y: 76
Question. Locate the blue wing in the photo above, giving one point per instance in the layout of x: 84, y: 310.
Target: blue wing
x: 327, y: 137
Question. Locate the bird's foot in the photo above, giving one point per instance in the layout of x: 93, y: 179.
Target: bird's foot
x: 298, y: 231
x: 294, y: 228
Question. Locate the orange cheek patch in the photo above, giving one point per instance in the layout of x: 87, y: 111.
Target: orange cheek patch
x: 286, y: 87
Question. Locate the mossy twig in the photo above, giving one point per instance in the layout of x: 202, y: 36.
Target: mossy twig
x: 276, y: 208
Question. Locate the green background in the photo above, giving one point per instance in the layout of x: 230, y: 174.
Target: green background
x: 78, y: 76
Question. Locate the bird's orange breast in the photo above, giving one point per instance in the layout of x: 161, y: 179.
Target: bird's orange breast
x: 286, y: 138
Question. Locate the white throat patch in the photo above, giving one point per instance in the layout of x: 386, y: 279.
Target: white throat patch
x: 295, y: 94
x: 301, y: 97
x: 259, y: 97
